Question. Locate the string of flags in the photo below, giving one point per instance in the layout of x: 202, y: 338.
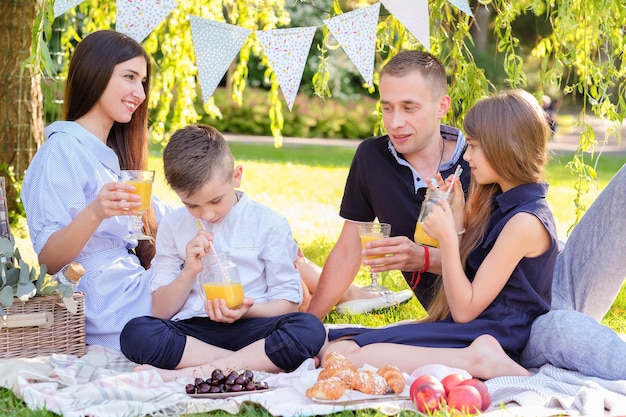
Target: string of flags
x: 216, y: 44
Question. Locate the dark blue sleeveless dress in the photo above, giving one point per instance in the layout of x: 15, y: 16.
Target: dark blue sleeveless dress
x: 526, y: 295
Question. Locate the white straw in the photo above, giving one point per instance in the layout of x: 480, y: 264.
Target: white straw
x: 457, y: 173
x: 217, y: 258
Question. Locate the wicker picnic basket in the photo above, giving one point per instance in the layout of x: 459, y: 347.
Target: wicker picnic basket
x: 43, y: 326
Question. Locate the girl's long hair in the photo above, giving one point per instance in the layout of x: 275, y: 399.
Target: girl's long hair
x: 513, y: 133
x: 89, y: 73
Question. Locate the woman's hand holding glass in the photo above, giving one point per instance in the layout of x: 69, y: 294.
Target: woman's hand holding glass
x: 115, y: 199
x: 142, y: 181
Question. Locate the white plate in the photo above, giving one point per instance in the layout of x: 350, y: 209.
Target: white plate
x: 217, y: 395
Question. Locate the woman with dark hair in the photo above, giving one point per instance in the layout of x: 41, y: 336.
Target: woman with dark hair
x: 77, y: 207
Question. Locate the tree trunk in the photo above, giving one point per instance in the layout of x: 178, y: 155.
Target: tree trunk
x: 21, y: 108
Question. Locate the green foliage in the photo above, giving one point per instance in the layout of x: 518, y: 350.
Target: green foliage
x: 40, y: 60
x: 8, y: 172
x: 308, y: 118
x: 576, y: 48
x: 19, y: 280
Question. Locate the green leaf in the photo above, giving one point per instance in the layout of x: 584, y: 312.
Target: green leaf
x: 26, y: 291
x: 12, y: 276
x: 25, y: 276
x: 6, y: 247
x: 6, y: 296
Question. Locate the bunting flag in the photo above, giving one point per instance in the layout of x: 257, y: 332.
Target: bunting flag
x: 356, y: 33
x: 287, y: 51
x: 62, y: 6
x: 137, y: 18
x: 413, y: 14
x: 215, y: 44
x: 462, y: 5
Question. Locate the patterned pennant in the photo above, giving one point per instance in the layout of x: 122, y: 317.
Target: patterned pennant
x: 356, y: 33
x: 413, y: 14
x: 287, y: 51
x: 462, y: 5
x: 137, y: 18
x: 215, y: 44
x: 62, y: 6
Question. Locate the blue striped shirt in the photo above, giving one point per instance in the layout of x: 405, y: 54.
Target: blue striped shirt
x: 65, y: 175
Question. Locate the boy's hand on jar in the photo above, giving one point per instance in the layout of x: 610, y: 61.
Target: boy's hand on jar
x: 217, y: 310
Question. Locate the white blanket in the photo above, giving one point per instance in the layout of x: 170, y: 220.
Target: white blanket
x: 102, y: 383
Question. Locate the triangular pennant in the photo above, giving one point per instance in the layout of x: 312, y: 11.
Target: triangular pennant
x: 413, y: 14
x: 356, y: 33
x: 287, y: 51
x: 462, y: 5
x: 137, y: 18
x: 62, y: 6
x: 215, y: 44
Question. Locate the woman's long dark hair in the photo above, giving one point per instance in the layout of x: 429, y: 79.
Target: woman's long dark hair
x: 90, y: 70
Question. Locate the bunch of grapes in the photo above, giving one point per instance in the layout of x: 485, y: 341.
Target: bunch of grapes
x: 218, y: 382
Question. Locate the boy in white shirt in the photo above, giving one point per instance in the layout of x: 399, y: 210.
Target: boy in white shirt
x: 186, y: 331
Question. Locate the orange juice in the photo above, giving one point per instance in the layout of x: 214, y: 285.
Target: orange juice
x: 231, y: 292
x: 143, y: 190
x: 422, y: 237
x: 370, y: 238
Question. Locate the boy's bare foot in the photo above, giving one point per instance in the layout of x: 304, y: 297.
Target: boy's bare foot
x: 490, y: 360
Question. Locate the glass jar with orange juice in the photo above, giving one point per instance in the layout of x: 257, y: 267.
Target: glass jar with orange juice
x: 220, y: 279
x: 432, y: 197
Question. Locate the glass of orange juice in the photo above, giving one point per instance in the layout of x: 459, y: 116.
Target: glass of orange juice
x: 220, y: 279
x: 142, y: 181
x: 368, y: 232
x: 432, y: 197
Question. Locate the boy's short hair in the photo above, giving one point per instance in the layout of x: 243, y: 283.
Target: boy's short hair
x: 194, y: 156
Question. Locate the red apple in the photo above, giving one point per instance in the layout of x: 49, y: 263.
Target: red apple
x: 427, y: 397
x: 465, y: 398
x: 482, y: 389
x: 427, y: 379
x: 451, y: 381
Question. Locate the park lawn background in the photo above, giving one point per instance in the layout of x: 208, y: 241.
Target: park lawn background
x: 305, y: 183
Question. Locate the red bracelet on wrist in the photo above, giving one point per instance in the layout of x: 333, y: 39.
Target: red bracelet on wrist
x: 416, y: 276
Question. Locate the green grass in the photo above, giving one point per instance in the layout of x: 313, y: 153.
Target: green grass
x: 305, y: 183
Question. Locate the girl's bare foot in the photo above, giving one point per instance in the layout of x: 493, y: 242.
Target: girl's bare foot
x: 490, y: 360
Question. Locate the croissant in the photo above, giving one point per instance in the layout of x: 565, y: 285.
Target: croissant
x: 337, y: 365
x: 334, y: 364
x: 393, y: 376
x: 327, y: 389
x: 369, y: 382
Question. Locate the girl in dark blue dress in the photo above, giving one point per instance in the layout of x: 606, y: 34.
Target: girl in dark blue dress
x: 498, y: 254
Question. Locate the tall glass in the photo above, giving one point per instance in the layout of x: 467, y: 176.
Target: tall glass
x: 142, y: 181
x: 369, y: 232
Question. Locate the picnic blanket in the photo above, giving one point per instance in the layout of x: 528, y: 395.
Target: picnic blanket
x: 102, y: 383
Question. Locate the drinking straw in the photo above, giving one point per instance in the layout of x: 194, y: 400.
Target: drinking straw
x: 217, y: 258
x: 457, y: 173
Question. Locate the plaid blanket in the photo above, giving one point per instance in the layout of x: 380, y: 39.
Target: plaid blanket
x: 102, y: 383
